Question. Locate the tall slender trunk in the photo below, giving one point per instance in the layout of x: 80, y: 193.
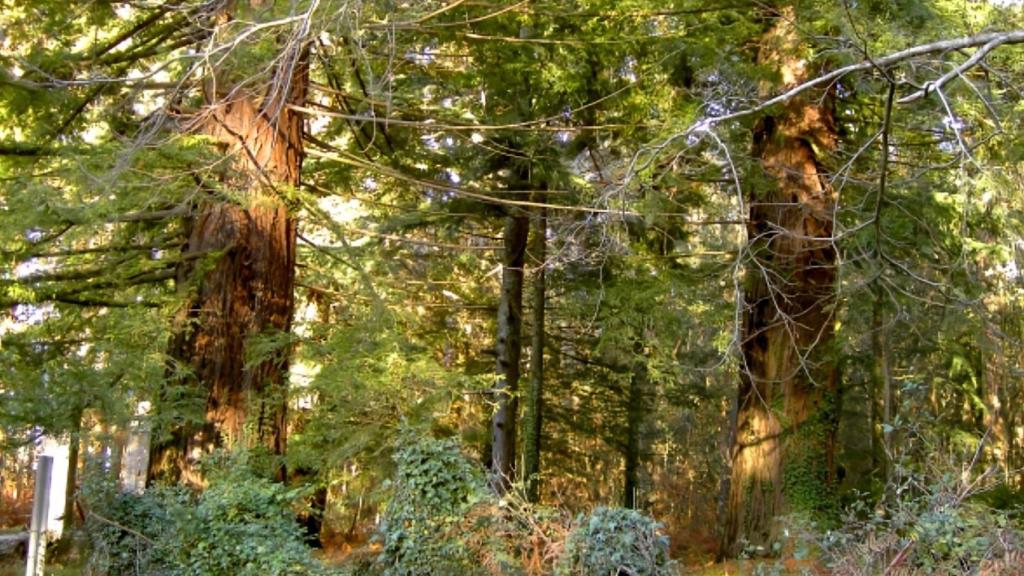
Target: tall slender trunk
x: 635, y: 410
x: 115, y: 441
x: 246, y: 291
x: 882, y: 400
x: 786, y: 419
x: 71, y: 488
x: 993, y: 382
x: 534, y: 416
x: 508, y: 349
x: 725, y: 483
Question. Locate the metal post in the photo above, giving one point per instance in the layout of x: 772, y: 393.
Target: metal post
x: 36, y: 560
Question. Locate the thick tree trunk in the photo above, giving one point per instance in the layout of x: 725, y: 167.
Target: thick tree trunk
x: 508, y: 348
x: 246, y: 291
x: 533, y: 419
x: 783, y: 450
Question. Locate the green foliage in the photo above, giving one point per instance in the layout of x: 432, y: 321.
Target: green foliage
x: 583, y: 105
x: 1004, y: 498
x: 434, y: 489
x: 612, y: 541
x: 240, y: 524
x: 933, y: 527
x: 805, y: 474
x: 128, y: 531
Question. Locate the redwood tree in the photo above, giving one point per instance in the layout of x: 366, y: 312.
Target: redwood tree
x: 782, y: 452
x: 245, y: 288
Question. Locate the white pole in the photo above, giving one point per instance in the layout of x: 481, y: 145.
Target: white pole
x: 36, y: 560
x: 135, y: 461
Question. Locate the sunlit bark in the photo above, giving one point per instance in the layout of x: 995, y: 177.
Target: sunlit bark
x: 782, y: 453
x: 245, y: 289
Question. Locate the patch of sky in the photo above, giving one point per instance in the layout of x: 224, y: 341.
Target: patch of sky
x: 627, y: 71
x: 423, y: 56
x: 32, y: 314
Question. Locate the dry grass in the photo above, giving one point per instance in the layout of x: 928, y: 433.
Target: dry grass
x: 749, y: 567
x: 17, y: 568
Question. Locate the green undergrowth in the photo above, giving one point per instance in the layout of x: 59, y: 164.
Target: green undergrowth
x: 443, y: 518
x: 241, y: 524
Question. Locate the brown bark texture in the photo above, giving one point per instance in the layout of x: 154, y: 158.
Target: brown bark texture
x: 635, y: 410
x: 533, y: 419
x: 785, y: 425
x: 508, y: 348
x: 244, y: 243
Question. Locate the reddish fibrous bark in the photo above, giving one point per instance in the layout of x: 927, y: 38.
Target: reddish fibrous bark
x: 247, y: 290
x: 787, y: 379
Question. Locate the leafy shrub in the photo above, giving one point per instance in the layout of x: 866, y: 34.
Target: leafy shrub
x: 126, y: 531
x: 616, y: 542
x: 433, y: 492
x: 935, y: 529
x: 442, y: 518
x: 240, y: 525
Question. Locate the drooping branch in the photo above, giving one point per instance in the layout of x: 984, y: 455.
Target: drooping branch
x: 988, y: 41
x: 957, y: 71
x: 156, y: 215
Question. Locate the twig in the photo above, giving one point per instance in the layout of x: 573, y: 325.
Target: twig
x: 957, y: 71
x: 120, y: 526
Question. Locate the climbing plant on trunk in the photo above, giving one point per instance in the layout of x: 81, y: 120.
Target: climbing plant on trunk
x: 782, y: 452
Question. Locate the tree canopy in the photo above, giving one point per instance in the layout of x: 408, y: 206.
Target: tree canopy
x: 730, y: 264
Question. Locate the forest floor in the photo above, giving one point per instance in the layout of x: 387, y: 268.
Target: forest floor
x: 733, y: 568
x: 17, y: 568
x: 750, y: 567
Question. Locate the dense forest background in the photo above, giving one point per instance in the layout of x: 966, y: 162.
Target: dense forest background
x: 471, y: 286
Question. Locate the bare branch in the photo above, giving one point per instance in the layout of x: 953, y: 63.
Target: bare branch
x: 884, y: 170
x: 990, y: 40
x: 957, y: 71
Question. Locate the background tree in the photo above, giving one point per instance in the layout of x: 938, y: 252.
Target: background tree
x: 777, y: 271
